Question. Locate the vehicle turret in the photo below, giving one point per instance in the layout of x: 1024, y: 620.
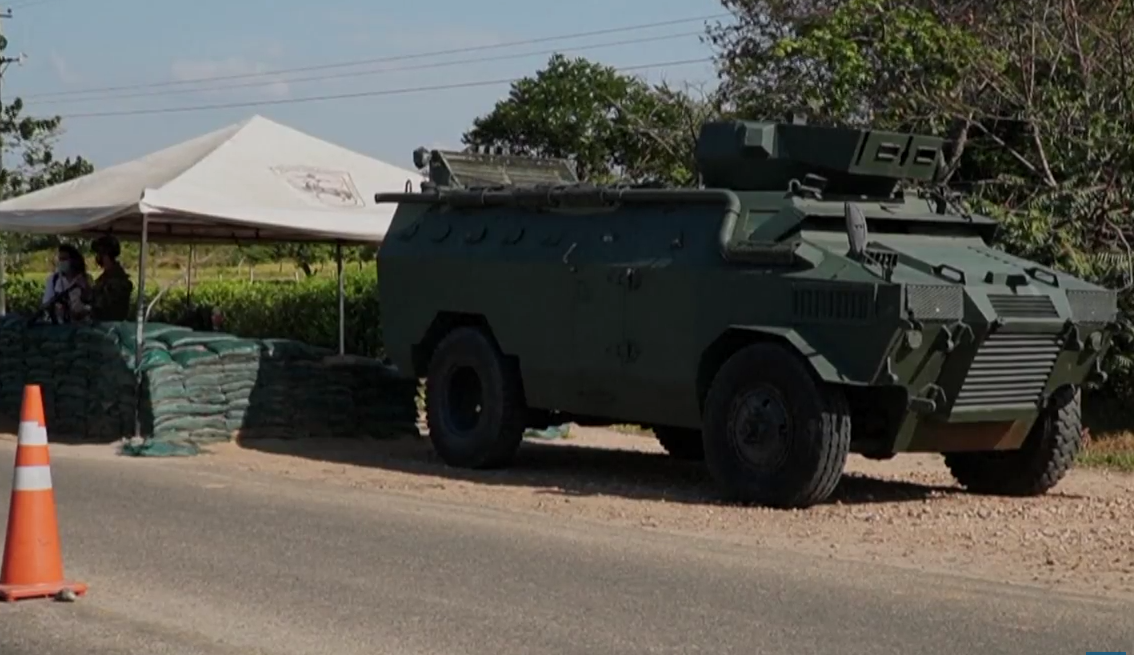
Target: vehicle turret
x: 471, y: 169
x: 751, y: 156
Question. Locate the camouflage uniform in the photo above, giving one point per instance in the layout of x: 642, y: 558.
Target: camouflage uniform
x: 110, y: 296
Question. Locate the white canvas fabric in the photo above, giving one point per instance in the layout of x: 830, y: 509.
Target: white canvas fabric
x: 256, y: 180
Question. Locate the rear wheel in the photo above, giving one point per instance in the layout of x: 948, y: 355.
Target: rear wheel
x: 681, y: 443
x: 772, y: 434
x: 474, y: 402
x: 1048, y: 453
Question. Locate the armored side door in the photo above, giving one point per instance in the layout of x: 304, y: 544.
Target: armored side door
x: 598, y: 296
x: 661, y: 313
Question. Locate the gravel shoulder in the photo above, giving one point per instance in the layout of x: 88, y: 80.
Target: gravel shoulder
x: 906, y: 512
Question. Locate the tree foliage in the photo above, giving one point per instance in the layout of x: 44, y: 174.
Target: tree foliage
x: 30, y: 164
x: 29, y: 152
x: 613, y: 126
x: 1035, y: 96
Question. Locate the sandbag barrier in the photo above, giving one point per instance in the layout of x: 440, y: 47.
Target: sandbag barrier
x: 198, y: 387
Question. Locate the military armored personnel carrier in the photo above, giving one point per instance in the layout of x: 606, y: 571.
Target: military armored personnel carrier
x: 805, y: 304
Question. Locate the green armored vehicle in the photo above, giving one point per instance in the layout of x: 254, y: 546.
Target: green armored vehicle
x: 803, y: 305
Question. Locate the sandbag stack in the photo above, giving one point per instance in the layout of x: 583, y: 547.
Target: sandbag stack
x: 88, y: 389
x: 198, y: 387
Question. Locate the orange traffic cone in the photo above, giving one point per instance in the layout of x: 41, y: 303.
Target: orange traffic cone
x: 33, y: 559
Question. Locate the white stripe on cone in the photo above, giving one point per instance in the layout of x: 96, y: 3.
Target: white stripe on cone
x: 32, y: 478
x: 32, y: 434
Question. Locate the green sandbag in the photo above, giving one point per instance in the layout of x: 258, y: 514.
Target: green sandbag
x: 195, y: 380
x: 174, y: 408
x: 152, y: 359
x: 187, y: 425
x: 165, y: 374
x: 206, y: 396
x: 211, y: 436
x: 190, y: 338
x: 47, y: 333
x: 192, y: 355
x: 233, y: 406
x: 241, y: 396
x: 167, y: 391
x: 233, y: 347
x: 235, y: 386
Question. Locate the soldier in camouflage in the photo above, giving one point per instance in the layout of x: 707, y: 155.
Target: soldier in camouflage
x: 110, y: 295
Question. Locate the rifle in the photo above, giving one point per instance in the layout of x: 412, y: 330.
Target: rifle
x: 43, y: 308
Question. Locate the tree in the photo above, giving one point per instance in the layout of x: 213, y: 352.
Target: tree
x: 1035, y: 96
x: 32, y: 141
x: 28, y: 146
x: 613, y: 126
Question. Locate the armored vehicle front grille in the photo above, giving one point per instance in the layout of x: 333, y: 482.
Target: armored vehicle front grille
x: 822, y: 304
x: 1093, y: 306
x: 935, y: 301
x: 1009, y: 370
x: 1023, y: 306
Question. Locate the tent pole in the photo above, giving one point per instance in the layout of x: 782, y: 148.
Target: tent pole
x: 139, y: 328
x: 342, y: 297
x: 189, y: 277
x: 3, y: 276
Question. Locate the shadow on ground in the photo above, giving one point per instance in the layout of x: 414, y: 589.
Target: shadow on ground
x: 563, y: 468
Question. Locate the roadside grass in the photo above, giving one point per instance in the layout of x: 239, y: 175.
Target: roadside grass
x: 1114, y: 450
x: 1108, y: 439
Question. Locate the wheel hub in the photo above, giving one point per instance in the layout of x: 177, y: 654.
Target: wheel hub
x: 759, y: 427
x: 464, y: 400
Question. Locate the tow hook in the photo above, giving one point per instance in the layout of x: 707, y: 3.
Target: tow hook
x: 930, y: 398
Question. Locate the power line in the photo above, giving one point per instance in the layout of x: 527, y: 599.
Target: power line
x: 348, y: 96
x: 375, y: 60
x: 368, y: 73
x: 34, y: 3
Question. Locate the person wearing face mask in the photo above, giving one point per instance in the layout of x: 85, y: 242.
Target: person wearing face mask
x: 110, y: 295
x: 65, y: 288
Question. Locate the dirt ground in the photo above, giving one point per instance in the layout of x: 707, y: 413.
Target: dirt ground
x: 906, y: 511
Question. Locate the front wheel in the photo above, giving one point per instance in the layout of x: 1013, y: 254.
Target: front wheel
x: 474, y: 403
x: 772, y: 434
x: 1048, y: 453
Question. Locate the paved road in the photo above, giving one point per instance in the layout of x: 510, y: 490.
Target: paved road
x: 185, y: 557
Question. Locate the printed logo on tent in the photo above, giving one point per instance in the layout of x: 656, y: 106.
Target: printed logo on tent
x: 330, y: 187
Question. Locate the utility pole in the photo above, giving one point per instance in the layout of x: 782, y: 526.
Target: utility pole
x: 4, y: 61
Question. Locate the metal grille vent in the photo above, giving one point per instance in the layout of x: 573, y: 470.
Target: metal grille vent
x: 837, y: 305
x: 1009, y: 371
x: 935, y: 302
x: 1093, y: 306
x: 1008, y: 306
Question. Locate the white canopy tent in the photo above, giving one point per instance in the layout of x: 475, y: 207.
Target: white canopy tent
x: 253, y: 181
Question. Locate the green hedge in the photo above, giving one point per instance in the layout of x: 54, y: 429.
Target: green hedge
x: 305, y: 311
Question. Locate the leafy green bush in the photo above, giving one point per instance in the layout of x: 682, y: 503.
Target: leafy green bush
x: 306, y: 310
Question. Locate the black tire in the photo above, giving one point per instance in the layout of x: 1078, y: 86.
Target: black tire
x: 1048, y: 453
x: 474, y: 403
x: 812, y: 441
x: 681, y: 443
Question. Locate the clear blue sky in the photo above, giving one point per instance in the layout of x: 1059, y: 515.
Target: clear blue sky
x: 83, y: 44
